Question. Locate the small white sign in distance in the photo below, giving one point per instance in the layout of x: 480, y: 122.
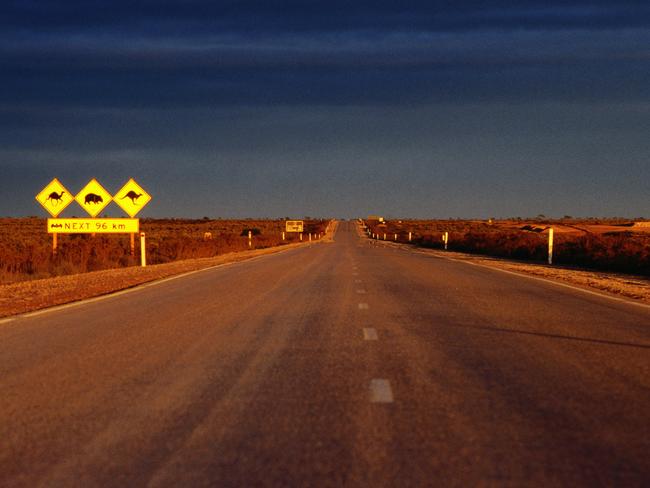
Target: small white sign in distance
x: 294, y: 226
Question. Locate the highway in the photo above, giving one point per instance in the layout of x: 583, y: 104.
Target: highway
x: 342, y: 364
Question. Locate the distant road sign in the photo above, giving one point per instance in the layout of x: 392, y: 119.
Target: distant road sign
x: 93, y: 198
x: 54, y: 197
x: 294, y: 226
x: 131, y: 198
x: 92, y: 226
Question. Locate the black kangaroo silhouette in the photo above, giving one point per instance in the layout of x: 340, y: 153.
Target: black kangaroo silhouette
x: 133, y: 196
x: 55, y: 197
x: 92, y: 198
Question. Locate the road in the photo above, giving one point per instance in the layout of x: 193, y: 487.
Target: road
x: 343, y: 364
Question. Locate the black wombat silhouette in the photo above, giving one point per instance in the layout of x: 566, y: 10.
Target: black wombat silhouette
x: 92, y: 198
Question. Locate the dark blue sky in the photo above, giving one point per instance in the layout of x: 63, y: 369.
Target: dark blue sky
x: 337, y: 108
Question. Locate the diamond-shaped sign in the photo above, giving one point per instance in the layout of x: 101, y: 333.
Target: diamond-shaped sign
x: 54, y: 197
x: 131, y: 198
x: 93, y: 198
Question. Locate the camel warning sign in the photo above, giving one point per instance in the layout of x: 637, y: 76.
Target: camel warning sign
x: 54, y: 197
x: 93, y: 198
x: 131, y: 198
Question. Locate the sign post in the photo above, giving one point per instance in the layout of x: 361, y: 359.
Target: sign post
x: 93, y: 198
x: 294, y: 226
x: 132, y: 198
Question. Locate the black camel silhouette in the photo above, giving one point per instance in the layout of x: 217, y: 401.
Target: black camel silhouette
x: 55, y: 197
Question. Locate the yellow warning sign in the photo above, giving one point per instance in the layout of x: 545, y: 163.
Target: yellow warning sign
x: 131, y: 198
x: 294, y: 226
x: 54, y: 197
x: 92, y: 226
x: 93, y: 198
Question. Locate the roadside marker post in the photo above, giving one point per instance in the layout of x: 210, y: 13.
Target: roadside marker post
x: 445, y: 239
x: 250, y: 238
x: 550, y: 245
x: 283, y: 235
x: 301, y: 237
x: 143, y: 251
x: 384, y: 236
x: 395, y: 237
x: 410, y: 235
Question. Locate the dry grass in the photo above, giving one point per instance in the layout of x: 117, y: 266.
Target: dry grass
x: 25, y: 247
x: 612, y: 246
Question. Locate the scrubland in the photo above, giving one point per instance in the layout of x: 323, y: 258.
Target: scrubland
x: 606, y: 245
x: 26, y: 247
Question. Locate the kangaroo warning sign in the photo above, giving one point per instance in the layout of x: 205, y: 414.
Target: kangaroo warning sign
x: 93, y: 198
x: 131, y: 198
x: 54, y: 197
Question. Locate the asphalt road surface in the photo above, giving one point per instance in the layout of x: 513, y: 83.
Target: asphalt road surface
x: 344, y: 364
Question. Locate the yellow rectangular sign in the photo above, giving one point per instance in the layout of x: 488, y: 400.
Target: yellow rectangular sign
x: 92, y: 226
x: 294, y: 226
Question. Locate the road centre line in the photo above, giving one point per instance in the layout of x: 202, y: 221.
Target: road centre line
x: 370, y: 334
x: 358, y: 281
x: 361, y: 291
x: 380, y: 391
x: 363, y: 306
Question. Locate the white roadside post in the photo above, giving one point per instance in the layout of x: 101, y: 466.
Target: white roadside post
x: 410, y: 236
x: 143, y: 252
x: 250, y: 238
x: 283, y: 236
x: 310, y: 237
x: 445, y: 239
x: 301, y: 237
x: 395, y: 237
x: 384, y: 236
x: 550, y: 245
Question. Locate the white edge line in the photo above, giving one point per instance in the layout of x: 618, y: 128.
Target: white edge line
x: 134, y: 288
x: 600, y: 294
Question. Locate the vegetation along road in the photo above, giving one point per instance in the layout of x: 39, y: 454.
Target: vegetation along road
x: 342, y: 364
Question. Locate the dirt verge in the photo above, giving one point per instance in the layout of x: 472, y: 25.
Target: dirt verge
x: 28, y: 296
x: 623, y: 285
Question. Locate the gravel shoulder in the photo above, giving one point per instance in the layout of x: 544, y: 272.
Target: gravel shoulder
x: 28, y: 296
x: 633, y: 287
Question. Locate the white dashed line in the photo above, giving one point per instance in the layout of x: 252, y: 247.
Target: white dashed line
x: 370, y: 334
x: 361, y: 291
x: 358, y: 281
x: 380, y: 391
x: 363, y: 306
